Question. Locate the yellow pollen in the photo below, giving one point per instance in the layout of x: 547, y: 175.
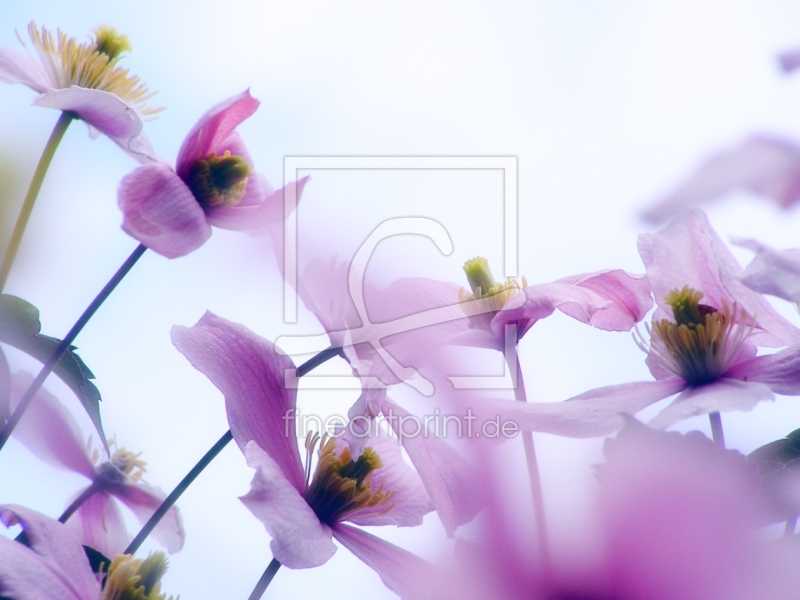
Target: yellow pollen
x: 131, y: 578
x: 219, y: 180
x: 91, y: 65
x: 484, y: 287
x: 124, y: 465
x: 342, y: 485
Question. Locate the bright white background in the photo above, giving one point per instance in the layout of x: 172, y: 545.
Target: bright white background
x: 606, y: 106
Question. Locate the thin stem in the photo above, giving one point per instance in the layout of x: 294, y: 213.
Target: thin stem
x: 716, y: 429
x: 533, y: 469
x: 170, y: 500
x: 265, y: 580
x: 33, y: 192
x: 791, y: 524
x: 65, y: 344
x: 76, y: 504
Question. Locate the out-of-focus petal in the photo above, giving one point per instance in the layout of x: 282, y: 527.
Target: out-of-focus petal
x: 213, y: 129
x: 98, y: 524
x: 773, y: 272
x: 57, y: 549
x: 406, y: 574
x: 688, y: 252
x: 16, y: 67
x: 49, y: 430
x: 105, y: 112
x: 594, y: 413
x: 721, y: 395
x: 23, y: 575
x: 143, y: 500
x: 161, y: 212
x: 629, y: 296
x: 299, y: 540
x: 5, y: 388
x: 779, y: 371
x: 765, y: 165
x: 789, y: 60
x: 250, y: 374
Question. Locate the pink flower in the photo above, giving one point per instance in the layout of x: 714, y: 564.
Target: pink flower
x: 773, y: 272
x: 85, y: 79
x: 172, y: 211
x: 764, y: 165
x: 52, y: 434
x: 703, y: 342
x: 302, y: 513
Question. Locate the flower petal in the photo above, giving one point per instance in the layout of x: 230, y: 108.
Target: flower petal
x: 789, y: 60
x: 299, y: 540
x: 161, y: 212
x: 250, y: 374
x: 56, y: 548
x: 98, y: 524
x: 50, y: 431
x: 108, y: 114
x: 406, y: 574
x: 594, y: 413
x: 16, y: 67
x: 765, y: 165
x: 779, y: 371
x: 213, y: 129
x: 774, y: 272
x: 5, y: 388
x: 721, y: 395
x: 143, y: 500
x: 23, y: 575
x: 257, y: 217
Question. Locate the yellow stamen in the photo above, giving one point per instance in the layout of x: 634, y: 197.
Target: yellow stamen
x: 484, y: 287
x: 219, y: 180
x: 135, y: 579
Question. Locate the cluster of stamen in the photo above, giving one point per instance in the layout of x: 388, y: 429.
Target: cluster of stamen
x: 219, y: 180
x: 123, y: 466
x: 484, y: 287
x: 342, y: 485
x: 702, y: 341
x: 131, y: 578
x: 92, y: 65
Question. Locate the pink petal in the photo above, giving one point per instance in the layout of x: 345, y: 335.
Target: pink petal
x: 161, y: 212
x: 250, y: 374
x: 404, y: 573
x: 779, y: 371
x: 57, y: 550
x: 594, y: 413
x: 454, y: 485
x: 213, y: 129
x: 721, y: 395
x: 299, y: 540
x: 98, y: 524
x: 774, y: 272
x: 789, y: 60
x: 689, y: 252
x: 629, y: 296
x: 24, y: 575
x: 50, y: 431
x: 765, y: 165
x: 105, y: 112
x: 257, y: 217
x: 16, y: 67
x: 143, y: 500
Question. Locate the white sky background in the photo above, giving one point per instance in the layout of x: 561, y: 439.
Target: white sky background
x: 605, y: 106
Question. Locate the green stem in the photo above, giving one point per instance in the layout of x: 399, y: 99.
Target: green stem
x: 265, y: 580
x: 170, y: 500
x: 33, y: 192
x: 66, y: 343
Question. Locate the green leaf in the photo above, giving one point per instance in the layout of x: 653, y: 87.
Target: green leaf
x: 20, y: 327
x: 777, y: 466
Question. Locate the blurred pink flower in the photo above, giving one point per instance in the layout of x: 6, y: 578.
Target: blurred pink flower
x: 85, y: 79
x: 705, y: 352
x: 301, y: 512
x: 773, y: 272
x: 52, y: 434
x: 172, y: 211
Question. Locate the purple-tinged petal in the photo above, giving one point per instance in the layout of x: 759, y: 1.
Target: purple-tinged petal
x: 765, y: 165
x: 299, y: 540
x: 213, y: 129
x: 50, y: 431
x: 409, y: 502
x: 629, y: 296
x: 57, y: 549
x: 143, y: 500
x: 594, y: 413
x: 250, y: 374
x: 98, y: 524
x: 773, y: 272
x: 779, y: 371
x: 721, y: 395
x: 406, y: 574
x: 789, y: 60
x: 108, y: 114
x: 5, y: 388
x: 256, y: 217
x: 689, y: 252
x: 454, y: 485
x: 161, y: 212
x: 16, y: 67
x: 24, y: 576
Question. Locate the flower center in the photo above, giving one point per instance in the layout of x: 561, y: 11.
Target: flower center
x: 219, y: 180
x: 484, y: 287
x: 129, y: 578
x: 91, y: 65
x: 342, y: 485
x: 701, y: 343
x: 123, y: 466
